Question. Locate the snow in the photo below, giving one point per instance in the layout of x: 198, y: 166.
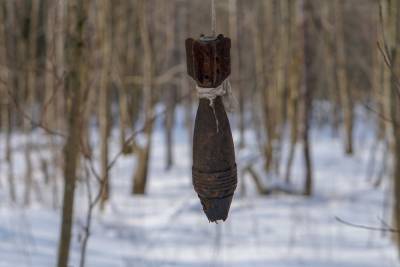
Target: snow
x: 168, y: 228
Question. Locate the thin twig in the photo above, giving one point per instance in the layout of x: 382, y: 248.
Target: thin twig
x: 383, y: 30
x: 384, y: 223
x: 90, y: 165
x: 380, y: 115
x: 366, y: 227
x: 33, y: 123
x: 92, y: 204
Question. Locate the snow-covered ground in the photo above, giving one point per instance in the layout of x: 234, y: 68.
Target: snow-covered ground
x: 168, y: 228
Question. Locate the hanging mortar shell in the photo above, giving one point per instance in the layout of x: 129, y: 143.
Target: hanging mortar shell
x: 214, y: 169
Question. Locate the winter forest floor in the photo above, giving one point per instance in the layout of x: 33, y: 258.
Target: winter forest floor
x: 168, y: 228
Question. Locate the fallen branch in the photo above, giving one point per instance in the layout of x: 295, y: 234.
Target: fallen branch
x: 267, y: 190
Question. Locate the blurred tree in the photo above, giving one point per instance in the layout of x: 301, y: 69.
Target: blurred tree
x: 341, y: 75
x: 308, y: 89
x: 5, y: 88
x: 143, y: 152
x: 294, y: 74
x: 77, y: 12
x: 296, y: 66
x: 391, y: 20
x: 104, y: 29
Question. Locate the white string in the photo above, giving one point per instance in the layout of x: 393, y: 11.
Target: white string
x: 213, y: 19
x: 225, y: 91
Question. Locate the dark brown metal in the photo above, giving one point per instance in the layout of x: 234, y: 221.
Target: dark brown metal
x: 214, y: 169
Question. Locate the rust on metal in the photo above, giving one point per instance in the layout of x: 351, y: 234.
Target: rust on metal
x: 214, y: 168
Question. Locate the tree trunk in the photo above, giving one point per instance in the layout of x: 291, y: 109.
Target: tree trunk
x: 395, y: 104
x: 54, y: 88
x: 123, y: 61
x: 49, y: 113
x: 170, y: 90
x: 103, y: 23
x: 77, y: 13
x: 6, y: 84
x: 268, y: 84
x: 341, y: 76
x: 308, y: 50
x: 294, y: 73
x: 184, y: 16
x: 391, y: 16
x: 30, y: 93
x: 140, y: 176
x: 281, y: 82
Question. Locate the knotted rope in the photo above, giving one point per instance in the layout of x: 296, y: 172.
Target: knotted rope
x: 224, y: 91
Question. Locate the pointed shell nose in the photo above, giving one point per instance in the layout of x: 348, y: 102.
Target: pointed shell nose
x: 216, y: 208
x: 215, y: 191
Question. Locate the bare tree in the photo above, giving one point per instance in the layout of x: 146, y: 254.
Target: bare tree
x: 103, y: 22
x: 341, y: 76
x: 6, y: 110
x: 391, y: 19
x: 294, y: 73
x: 306, y: 94
x: 75, y: 62
x: 170, y: 89
x: 30, y: 95
x: 141, y: 173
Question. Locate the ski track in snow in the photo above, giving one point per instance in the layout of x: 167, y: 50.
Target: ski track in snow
x: 168, y: 228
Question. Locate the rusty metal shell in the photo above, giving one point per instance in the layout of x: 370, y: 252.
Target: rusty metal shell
x: 208, y: 60
x: 214, y: 168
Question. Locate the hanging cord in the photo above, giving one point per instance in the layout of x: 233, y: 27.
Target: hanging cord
x: 224, y: 90
x: 213, y: 19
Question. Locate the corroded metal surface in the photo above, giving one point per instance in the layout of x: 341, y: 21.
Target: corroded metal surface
x: 214, y: 168
x: 208, y: 60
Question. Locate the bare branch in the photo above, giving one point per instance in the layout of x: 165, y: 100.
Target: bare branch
x: 33, y: 123
x: 163, y: 78
x: 380, y: 115
x: 366, y: 227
